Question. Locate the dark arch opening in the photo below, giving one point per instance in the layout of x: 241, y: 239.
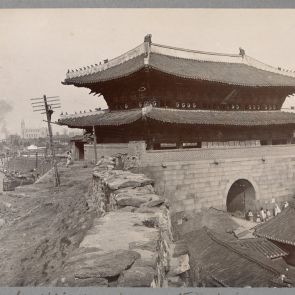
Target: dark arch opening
x: 241, y: 197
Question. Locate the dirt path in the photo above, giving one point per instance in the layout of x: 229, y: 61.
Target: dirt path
x: 43, y: 225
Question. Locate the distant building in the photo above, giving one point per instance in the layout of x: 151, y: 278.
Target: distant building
x: 32, y: 133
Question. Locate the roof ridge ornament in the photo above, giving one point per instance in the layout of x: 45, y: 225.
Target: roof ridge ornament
x: 148, y: 38
x: 242, y: 52
x: 147, y: 48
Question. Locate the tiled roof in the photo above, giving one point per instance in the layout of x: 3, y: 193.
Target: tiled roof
x: 280, y: 228
x: 179, y: 116
x: 228, y: 263
x: 80, y: 120
x: 231, y: 69
x: 261, y: 245
x: 114, y: 118
x: 122, y: 70
x: 228, y: 73
x: 233, y: 118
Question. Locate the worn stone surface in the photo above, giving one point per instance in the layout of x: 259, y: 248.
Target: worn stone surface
x: 129, y: 179
x: 127, y: 209
x: 144, y: 209
x: 151, y: 245
x: 152, y: 221
x: 147, y: 258
x: 180, y: 248
x: 124, y: 199
x: 88, y: 282
x: 137, y: 276
x: 97, y: 265
x: 175, y: 282
x: 147, y: 189
x: 116, y: 230
x: 155, y: 203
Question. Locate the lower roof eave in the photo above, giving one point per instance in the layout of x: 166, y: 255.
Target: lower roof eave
x: 205, y: 118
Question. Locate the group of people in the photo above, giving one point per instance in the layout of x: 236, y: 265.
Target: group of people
x: 264, y: 215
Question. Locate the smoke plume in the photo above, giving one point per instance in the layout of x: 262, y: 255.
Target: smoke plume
x: 5, y: 108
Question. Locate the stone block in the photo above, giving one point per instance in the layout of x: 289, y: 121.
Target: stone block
x: 96, y: 265
x: 178, y: 265
x: 188, y: 202
x: 179, y: 207
x: 86, y: 282
x: 180, y: 248
x: 151, y: 245
x: 137, y: 276
x: 129, y: 200
x: 147, y: 258
x: 175, y: 282
x: 180, y: 196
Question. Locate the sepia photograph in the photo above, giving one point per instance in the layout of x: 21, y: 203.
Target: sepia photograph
x: 149, y: 148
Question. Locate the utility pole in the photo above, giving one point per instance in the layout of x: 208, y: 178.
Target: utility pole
x: 46, y: 105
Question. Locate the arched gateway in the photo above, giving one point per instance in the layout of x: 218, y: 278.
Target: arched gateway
x: 241, y: 196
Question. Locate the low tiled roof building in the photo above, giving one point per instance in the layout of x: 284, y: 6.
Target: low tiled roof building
x: 219, y: 261
x: 281, y: 231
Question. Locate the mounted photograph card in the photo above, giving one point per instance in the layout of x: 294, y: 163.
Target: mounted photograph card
x: 147, y: 150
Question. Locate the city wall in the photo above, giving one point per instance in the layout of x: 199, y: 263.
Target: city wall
x: 193, y: 179
x: 130, y: 243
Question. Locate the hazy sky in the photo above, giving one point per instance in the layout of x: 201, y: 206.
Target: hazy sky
x: 38, y: 46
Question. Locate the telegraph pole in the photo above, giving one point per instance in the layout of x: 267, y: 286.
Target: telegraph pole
x: 46, y: 105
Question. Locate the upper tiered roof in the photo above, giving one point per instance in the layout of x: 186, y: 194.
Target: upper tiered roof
x: 234, y: 69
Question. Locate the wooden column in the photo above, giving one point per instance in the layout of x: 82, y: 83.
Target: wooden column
x: 147, y: 134
x: 94, y: 145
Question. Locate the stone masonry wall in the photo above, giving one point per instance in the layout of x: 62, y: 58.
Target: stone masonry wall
x: 191, y: 186
x: 205, y: 180
x: 131, y: 243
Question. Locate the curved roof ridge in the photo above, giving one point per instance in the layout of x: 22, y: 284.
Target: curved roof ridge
x: 217, y: 57
x: 197, y: 51
x: 250, y: 61
x: 195, y: 54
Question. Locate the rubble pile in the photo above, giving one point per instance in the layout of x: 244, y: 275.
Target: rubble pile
x: 130, y: 243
